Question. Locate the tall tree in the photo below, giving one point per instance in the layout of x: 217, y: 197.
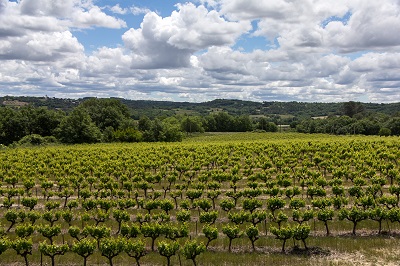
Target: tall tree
x: 351, y: 108
x: 106, y: 112
x: 78, y: 128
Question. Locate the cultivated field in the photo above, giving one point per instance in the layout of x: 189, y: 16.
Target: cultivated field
x: 216, y: 199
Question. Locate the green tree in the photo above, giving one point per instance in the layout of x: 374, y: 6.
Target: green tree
x: 23, y: 247
x: 167, y: 249
x: 192, y: 124
x: 351, y: 108
x: 231, y: 232
x: 210, y: 232
x: 78, y: 128
x: 52, y: 250
x: 84, y: 248
x: 253, y: 234
x: 12, y: 126
x: 283, y: 234
x: 192, y: 249
x: 135, y: 249
x: 106, y: 112
x: 111, y: 247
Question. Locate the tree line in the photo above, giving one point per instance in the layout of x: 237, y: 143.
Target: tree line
x: 355, y: 120
x: 108, y: 120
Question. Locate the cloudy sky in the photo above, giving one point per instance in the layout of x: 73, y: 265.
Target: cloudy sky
x: 259, y: 50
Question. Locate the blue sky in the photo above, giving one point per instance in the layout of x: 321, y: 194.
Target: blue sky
x: 259, y: 50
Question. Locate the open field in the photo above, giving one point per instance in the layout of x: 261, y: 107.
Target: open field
x: 279, y: 191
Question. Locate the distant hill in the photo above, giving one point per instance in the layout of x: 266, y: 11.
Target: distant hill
x: 233, y: 107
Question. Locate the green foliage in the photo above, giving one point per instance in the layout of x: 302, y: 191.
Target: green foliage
x: 127, y: 135
x: 354, y: 215
x: 4, y: 244
x: 301, y: 232
x: 192, y: 249
x: 135, y: 249
x: 253, y: 234
x: 78, y: 127
x: 24, y: 230
x: 111, y: 247
x: 231, y: 232
x: 49, y: 231
x: 53, y: 250
x: 84, y: 248
x: 23, y: 247
x: 283, y: 233
x: 167, y: 249
x: 210, y: 232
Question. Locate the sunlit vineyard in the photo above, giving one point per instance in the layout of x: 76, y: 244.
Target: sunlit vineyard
x: 228, y: 199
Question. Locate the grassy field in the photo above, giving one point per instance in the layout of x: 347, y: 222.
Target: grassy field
x: 324, y: 173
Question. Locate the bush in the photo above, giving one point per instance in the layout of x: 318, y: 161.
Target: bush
x: 385, y: 132
x: 35, y: 140
x: 127, y: 135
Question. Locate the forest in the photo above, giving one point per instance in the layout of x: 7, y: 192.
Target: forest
x: 29, y: 120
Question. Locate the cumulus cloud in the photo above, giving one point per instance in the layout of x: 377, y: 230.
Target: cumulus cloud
x: 309, y: 50
x: 169, y: 42
x: 372, y: 25
x: 75, y: 13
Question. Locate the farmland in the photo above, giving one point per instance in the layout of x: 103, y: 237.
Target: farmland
x: 214, y: 199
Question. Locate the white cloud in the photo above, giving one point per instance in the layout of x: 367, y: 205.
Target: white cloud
x: 40, y: 46
x: 318, y: 50
x: 373, y: 25
x: 169, y: 42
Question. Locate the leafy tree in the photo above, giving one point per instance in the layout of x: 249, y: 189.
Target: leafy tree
x: 325, y: 215
x: 153, y: 231
x: 224, y: 122
x: 120, y: 216
x: 183, y: 216
x: 11, y: 125
x: 192, y: 249
x: 130, y: 231
x: 210, y: 232
x: 135, y: 249
x: 167, y: 250
x: 378, y: 214
x: 29, y: 202
x: 301, y: 232
x: 106, y: 112
x: 23, y: 247
x: 283, y: 234
x: 227, y: 204
x: 78, y: 127
x: 111, y: 247
x: 129, y: 134
x: 231, y: 232
x: 253, y: 234
x: 97, y: 232
x: 351, y: 108
x: 49, y: 231
x: 192, y: 124
x: 208, y: 217
x: 52, y: 250
x: 24, y: 230
x: 84, y: 248
x: 251, y: 204
x: 384, y: 131
x: 354, y: 215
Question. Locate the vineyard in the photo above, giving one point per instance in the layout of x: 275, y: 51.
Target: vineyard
x: 222, y: 199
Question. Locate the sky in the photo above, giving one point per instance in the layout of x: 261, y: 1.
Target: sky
x: 200, y: 50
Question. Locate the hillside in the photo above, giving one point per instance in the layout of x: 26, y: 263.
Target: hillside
x: 234, y: 107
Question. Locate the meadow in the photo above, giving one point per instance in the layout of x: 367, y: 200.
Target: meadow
x: 213, y: 199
